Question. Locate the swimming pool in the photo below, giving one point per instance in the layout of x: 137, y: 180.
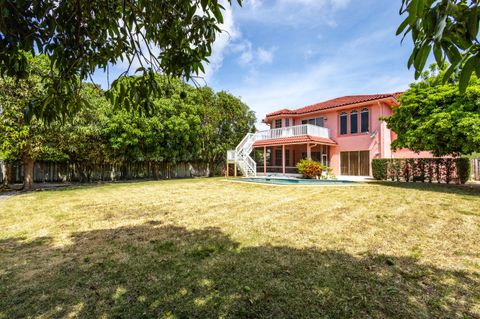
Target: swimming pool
x: 295, y: 181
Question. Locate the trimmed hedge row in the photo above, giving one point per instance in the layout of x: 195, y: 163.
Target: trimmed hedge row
x: 440, y: 170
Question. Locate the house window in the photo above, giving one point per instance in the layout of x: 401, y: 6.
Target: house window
x: 343, y: 123
x: 287, y: 122
x: 287, y: 157
x: 278, y: 157
x: 353, y: 122
x: 278, y: 123
x: 316, y: 156
x: 364, y: 116
x: 319, y: 121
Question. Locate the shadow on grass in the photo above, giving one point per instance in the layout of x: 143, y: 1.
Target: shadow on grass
x: 164, y: 271
x: 467, y: 189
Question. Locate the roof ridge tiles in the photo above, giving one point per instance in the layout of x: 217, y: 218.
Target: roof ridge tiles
x: 336, y: 102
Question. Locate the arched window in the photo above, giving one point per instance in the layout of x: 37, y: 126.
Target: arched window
x: 343, y: 123
x: 353, y: 122
x: 364, y: 121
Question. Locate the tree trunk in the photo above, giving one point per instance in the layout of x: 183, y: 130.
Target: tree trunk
x: 207, y: 170
x: 28, y: 164
x: 5, y: 177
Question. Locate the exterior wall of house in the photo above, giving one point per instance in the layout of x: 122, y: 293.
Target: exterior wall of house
x: 370, y: 141
x: 377, y: 141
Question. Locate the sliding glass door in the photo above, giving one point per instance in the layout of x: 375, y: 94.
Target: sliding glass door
x: 355, y: 163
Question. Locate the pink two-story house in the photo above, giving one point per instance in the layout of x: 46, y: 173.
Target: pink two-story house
x: 344, y: 133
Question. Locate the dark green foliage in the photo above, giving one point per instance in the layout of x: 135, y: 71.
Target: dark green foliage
x: 380, y: 168
x: 442, y: 170
x: 438, y: 169
x: 407, y: 169
x: 419, y: 171
x: 437, y: 118
x: 449, y: 28
x: 448, y: 170
x: 395, y: 169
x: 197, y: 126
x: 464, y: 169
x: 430, y: 172
x: 173, y: 37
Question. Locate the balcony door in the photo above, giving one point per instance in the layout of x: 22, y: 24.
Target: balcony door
x: 356, y: 163
x: 319, y: 121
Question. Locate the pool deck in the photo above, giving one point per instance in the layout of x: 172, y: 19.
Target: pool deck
x: 298, y: 176
x: 295, y: 181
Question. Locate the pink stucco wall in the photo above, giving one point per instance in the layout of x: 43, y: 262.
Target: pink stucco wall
x: 377, y: 141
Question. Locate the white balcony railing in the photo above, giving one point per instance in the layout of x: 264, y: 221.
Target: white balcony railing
x: 292, y: 131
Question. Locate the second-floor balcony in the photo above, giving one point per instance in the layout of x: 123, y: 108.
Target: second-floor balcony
x: 293, y: 131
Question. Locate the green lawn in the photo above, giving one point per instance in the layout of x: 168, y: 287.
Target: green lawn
x: 209, y: 248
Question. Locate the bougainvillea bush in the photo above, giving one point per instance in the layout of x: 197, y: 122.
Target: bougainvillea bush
x: 440, y: 170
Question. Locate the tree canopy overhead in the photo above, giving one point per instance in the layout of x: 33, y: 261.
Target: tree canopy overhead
x: 172, y: 37
x: 449, y: 28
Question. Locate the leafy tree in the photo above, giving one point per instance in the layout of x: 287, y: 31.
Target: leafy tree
x: 81, y: 137
x: 20, y: 138
x: 449, y: 28
x: 436, y: 117
x: 170, y: 36
x: 184, y: 125
x: 168, y: 131
x: 225, y: 121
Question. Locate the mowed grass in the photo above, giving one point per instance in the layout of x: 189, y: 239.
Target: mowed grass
x: 209, y: 248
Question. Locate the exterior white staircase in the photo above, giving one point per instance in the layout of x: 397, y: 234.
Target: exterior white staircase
x: 241, y: 155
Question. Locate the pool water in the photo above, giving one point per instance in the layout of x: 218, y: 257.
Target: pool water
x: 294, y: 181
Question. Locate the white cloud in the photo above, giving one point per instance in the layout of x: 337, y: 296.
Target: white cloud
x: 244, y: 52
x: 230, y: 33
x: 292, y: 12
x: 349, y: 70
x: 265, y: 56
x: 248, y: 56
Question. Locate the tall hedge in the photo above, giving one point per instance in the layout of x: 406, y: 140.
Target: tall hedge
x: 464, y: 169
x: 441, y: 170
x: 380, y: 168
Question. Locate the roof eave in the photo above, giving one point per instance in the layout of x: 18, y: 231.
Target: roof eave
x: 392, y: 99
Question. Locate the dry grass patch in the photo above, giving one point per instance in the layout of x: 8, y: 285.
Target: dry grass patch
x: 209, y: 248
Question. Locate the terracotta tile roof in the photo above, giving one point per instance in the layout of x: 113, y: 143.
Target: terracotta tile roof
x: 295, y: 140
x: 337, y: 102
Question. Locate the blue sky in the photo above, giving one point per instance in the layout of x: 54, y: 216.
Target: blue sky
x: 290, y: 53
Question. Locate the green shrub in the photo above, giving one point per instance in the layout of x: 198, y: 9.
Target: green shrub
x: 449, y: 170
x: 395, y: 169
x: 438, y: 169
x: 441, y: 170
x: 310, y: 169
x: 464, y: 169
x: 430, y: 170
x: 380, y: 168
x: 408, y: 168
